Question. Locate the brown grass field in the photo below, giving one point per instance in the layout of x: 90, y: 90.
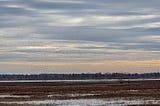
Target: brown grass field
x: 149, y: 89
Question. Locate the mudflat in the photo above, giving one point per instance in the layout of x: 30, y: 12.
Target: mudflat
x: 15, y: 92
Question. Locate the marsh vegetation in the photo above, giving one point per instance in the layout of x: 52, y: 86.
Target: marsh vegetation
x: 86, y: 93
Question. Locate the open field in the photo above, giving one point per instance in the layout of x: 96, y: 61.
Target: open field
x: 87, y: 93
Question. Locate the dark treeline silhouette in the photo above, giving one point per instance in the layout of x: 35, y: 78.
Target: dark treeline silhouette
x: 82, y: 76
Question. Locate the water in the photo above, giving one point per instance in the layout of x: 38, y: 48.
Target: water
x: 92, y: 80
x: 14, y: 96
x: 70, y: 95
x: 89, y: 102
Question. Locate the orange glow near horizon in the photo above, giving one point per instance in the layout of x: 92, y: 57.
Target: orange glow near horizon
x: 79, y: 67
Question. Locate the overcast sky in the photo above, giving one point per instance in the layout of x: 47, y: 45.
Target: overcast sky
x: 77, y: 31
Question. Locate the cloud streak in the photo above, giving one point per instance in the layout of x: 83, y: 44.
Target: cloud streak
x: 79, y: 30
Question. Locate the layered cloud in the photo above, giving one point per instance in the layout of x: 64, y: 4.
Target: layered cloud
x: 79, y: 30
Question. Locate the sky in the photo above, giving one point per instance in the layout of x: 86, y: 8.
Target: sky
x: 74, y: 36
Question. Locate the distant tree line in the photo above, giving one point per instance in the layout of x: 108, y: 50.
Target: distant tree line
x: 82, y: 76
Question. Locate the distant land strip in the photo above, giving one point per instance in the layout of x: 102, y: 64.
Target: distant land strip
x: 82, y: 76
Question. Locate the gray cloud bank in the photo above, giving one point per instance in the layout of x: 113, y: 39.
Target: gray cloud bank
x: 79, y: 30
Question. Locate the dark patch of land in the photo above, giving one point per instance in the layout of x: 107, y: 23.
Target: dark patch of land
x: 82, y: 76
x: 146, y: 89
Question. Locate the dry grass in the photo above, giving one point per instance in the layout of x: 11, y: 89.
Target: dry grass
x: 103, y: 89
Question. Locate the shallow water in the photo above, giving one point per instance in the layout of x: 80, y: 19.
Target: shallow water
x: 89, y: 102
x: 70, y: 95
x: 92, y: 80
x: 14, y: 96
